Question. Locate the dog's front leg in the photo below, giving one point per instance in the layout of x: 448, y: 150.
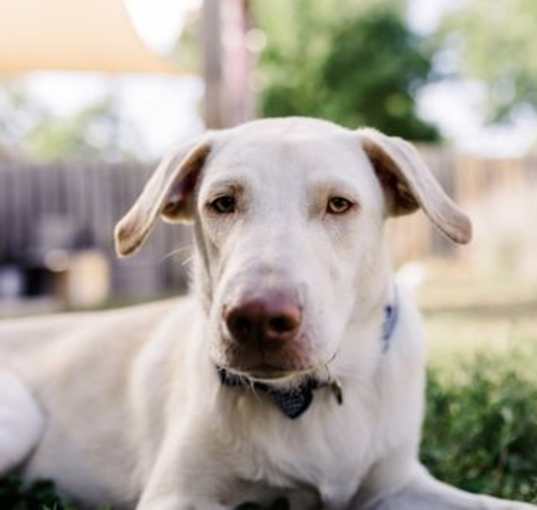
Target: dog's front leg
x: 177, y: 503
x: 172, y: 493
x: 423, y: 492
x: 187, y: 475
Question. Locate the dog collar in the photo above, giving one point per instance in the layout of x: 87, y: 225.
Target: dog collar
x: 296, y: 401
x: 293, y: 403
x: 391, y: 315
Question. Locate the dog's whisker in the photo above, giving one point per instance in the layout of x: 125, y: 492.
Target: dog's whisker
x: 253, y: 388
x: 187, y: 260
x: 175, y: 252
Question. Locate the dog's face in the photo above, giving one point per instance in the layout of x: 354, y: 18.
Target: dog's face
x: 292, y: 224
x: 289, y: 218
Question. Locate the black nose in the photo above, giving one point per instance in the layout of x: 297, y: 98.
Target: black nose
x: 273, y: 319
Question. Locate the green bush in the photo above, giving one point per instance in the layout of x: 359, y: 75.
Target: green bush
x: 38, y: 496
x: 362, y: 68
x: 480, y: 434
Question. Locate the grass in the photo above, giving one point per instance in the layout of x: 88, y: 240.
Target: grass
x: 480, y: 430
x: 467, y: 312
x: 40, y: 495
x: 481, y: 427
x: 481, y: 421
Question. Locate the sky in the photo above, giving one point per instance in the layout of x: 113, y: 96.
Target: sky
x: 457, y: 106
x: 166, y: 109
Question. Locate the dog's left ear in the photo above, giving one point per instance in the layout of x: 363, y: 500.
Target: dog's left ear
x: 409, y: 184
x: 168, y: 193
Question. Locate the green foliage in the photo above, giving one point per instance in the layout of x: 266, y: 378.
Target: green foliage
x: 497, y: 44
x: 353, y: 66
x: 38, y: 496
x: 279, y: 504
x: 86, y: 134
x: 41, y: 495
x: 480, y: 435
x: 29, y: 128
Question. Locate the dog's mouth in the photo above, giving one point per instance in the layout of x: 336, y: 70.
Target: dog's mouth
x: 291, y: 391
x: 270, y: 372
x: 275, y: 376
x: 284, y: 368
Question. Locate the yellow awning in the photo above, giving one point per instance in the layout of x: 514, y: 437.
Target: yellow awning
x: 89, y: 35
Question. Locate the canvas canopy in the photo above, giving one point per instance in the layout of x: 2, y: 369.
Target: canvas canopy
x: 78, y: 35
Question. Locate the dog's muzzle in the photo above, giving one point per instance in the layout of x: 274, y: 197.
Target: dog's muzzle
x: 295, y: 401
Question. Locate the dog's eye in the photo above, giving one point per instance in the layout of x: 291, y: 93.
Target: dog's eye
x: 338, y: 205
x: 223, y: 205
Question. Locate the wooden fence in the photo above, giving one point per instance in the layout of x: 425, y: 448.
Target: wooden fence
x: 71, y: 206
x: 45, y: 207
x: 468, y: 180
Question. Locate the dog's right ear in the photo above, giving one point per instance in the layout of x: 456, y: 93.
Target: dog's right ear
x: 169, y: 194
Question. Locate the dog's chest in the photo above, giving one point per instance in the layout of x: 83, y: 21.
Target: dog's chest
x: 324, y: 449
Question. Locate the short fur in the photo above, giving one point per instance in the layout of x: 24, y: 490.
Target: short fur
x: 125, y: 407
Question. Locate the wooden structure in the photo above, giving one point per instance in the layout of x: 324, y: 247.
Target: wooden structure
x: 99, y: 36
x: 71, y: 207
x: 74, y: 206
x: 73, y: 36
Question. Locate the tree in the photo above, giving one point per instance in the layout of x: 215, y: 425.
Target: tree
x: 496, y: 44
x: 28, y: 128
x: 356, y: 67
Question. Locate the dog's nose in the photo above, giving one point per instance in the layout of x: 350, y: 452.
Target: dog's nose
x: 272, y: 319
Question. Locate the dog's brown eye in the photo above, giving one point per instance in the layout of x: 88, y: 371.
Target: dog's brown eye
x: 338, y: 205
x: 224, y: 204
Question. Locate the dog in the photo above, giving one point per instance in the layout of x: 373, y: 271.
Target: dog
x: 294, y: 368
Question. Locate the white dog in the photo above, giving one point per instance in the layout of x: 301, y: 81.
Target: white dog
x: 295, y: 368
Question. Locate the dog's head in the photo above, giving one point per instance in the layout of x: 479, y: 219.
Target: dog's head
x: 288, y: 218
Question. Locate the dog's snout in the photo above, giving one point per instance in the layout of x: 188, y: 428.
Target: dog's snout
x: 272, y: 319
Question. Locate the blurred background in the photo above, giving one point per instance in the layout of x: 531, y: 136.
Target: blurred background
x: 93, y: 93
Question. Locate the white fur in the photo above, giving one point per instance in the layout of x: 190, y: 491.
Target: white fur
x: 135, y: 413
x: 21, y: 422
